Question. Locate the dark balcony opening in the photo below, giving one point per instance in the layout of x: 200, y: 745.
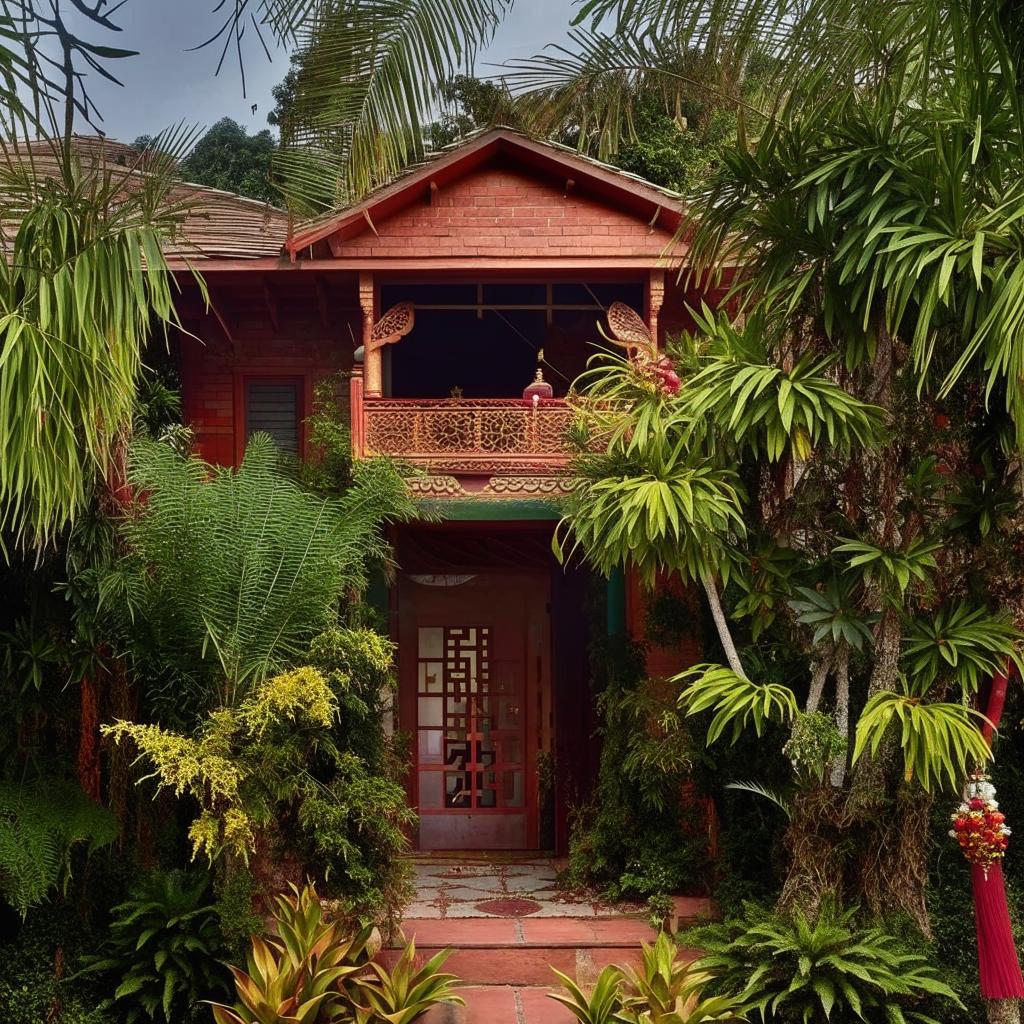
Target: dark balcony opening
x: 486, y: 341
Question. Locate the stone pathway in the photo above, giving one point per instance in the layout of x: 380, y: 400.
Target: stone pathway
x: 464, y: 887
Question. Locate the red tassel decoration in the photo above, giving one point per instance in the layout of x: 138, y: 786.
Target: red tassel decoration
x: 998, y: 964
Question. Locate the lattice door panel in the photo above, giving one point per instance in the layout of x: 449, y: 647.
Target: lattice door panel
x: 470, y: 728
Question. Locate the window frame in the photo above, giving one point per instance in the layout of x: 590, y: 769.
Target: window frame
x: 271, y: 375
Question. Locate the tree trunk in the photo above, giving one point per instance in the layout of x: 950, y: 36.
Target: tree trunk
x: 722, y: 625
x: 838, y: 776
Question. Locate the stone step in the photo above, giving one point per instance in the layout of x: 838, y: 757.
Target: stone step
x: 501, y: 1004
x: 520, y: 953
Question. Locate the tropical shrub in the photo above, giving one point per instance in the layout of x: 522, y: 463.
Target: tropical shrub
x: 306, y: 748
x: 789, y: 969
x: 163, y: 950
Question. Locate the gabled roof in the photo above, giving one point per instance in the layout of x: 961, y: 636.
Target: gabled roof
x: 626, y: 191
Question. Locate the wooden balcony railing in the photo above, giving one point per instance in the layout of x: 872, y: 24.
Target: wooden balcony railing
x: 480, y: 435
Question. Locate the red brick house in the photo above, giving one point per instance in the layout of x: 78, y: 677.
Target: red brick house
x: 497, y: 256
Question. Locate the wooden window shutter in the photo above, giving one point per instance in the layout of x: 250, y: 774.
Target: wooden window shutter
x: 273, y: 407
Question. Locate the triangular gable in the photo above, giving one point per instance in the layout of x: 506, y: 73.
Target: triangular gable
x: 502, y: 194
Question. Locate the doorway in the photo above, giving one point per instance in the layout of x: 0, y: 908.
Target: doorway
x: 474, y: 676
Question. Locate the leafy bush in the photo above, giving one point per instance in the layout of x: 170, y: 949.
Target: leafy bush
x: 789, y: 969
x: 302, y: 768
x: 163, y: 950
x: 619, y: 840
x: 41, y: 825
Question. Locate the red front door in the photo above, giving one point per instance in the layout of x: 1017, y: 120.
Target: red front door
x: 473, y: 661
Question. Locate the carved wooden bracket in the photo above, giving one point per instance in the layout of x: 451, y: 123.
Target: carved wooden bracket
x: 630, y: 332
x: 394, y: 325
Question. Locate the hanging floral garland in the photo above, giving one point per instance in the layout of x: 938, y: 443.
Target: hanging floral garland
x: 979, y: 827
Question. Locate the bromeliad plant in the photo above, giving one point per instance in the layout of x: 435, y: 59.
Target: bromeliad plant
x: 300, y: 973
x: 316, y: 972
x: 666, y: 989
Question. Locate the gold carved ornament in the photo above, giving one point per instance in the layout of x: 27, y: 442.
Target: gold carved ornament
x: 394, y: 325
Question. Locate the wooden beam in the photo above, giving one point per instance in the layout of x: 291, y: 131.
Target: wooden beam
x: 655, y: 300
x: 432, y: 193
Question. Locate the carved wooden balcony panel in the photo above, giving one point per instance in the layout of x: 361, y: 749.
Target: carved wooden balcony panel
x: 470, y: 435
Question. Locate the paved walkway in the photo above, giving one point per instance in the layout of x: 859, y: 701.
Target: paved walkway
x: 462, y: 887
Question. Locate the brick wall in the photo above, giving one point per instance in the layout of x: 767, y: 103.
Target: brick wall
x: 215, y: 368
x: 503, y: 212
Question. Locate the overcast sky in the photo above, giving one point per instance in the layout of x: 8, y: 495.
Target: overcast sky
x: 167, y: 84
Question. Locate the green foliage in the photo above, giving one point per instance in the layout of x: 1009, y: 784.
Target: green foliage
x: 331, y: 469
x: 34, y: 982
x: 42, y: 824
x: 381, y: 76
x: 469, y: 104
x: 959, y: 644
x: 788, y: 969
x: 736, y: 701
x: 668, y: 990
x: 307, y: 748
x: 603, y: 1003
x: 230, y: 574
x: 618, y: 839
x: 893, y: 570
x: 404, y: 993
x: 236, y: 893
x: 813, y: 744
x: 771, y: 410
x: 83, y: 280
x: 163, y: 949
x: 229, y: 158
x: 654, y: 509
x: 831, y: 612
x: 940, y: 742
x: 300, y: 973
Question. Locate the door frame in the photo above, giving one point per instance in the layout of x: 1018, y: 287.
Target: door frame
x: 531, y: 590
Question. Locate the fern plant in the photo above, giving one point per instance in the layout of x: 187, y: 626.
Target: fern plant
x: 788, y: 969
x: 163, y: 950
x: 230, y: 574
x: 42, y: 824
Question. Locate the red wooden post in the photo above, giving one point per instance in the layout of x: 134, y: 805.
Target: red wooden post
x: 998, y: 964
x: 356, y: 412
